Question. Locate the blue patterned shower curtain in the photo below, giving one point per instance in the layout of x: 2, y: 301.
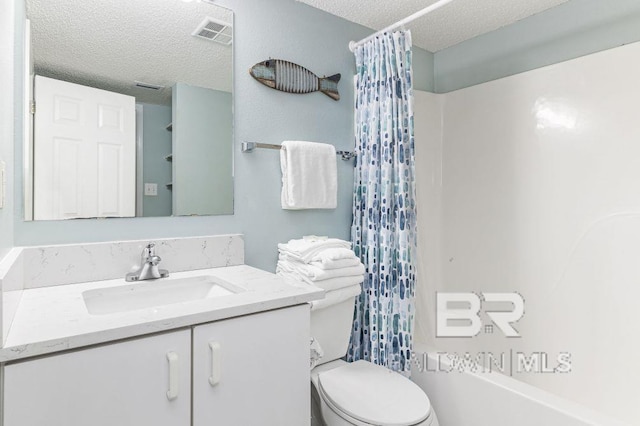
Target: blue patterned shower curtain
x: 384, y: 208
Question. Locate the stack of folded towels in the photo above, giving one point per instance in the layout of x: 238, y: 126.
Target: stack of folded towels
x: 328, y: 263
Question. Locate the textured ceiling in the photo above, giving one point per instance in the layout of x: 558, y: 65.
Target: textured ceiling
x: 111, y: 44
x: 454, y: 23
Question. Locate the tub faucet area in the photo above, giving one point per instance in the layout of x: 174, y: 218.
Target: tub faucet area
x: 149, y: 266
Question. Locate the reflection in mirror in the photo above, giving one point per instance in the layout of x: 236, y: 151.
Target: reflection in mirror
x: 131, y: 109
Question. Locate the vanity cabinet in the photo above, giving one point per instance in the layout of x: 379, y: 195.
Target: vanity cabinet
x: 124, y: 384
x: 249, y: 370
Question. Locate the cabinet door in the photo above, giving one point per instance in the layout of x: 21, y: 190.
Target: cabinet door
x: 253, y: 370
x: 124, y: 384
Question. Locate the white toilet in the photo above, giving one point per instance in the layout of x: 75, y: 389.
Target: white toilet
x: 359, y: 393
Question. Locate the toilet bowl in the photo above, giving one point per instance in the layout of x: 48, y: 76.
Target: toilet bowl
x: 359, y: 393
x: 365, y: 394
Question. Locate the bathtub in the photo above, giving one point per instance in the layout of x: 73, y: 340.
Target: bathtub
x: 494, y: 399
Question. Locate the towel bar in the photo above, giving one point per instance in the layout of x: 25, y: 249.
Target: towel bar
x: 251, y: 146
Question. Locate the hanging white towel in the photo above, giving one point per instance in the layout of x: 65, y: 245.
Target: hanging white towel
x: 309, y: 175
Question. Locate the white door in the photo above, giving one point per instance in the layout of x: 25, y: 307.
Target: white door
x: 123, y: 384
x: 84, y: 152
x: 253, y: 370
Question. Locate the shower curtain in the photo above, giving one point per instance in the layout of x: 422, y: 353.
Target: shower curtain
x: 384, y: 208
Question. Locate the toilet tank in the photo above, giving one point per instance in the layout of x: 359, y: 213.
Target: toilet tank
x: 331, y: 327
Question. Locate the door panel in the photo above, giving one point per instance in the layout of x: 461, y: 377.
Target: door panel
x: 109, y: 179
x: 104, y: 182
x: 66, y: 177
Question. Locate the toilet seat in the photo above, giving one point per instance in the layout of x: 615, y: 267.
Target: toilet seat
x: 363, y: 393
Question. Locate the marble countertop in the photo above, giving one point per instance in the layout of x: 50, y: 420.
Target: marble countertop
x: 53, y: 319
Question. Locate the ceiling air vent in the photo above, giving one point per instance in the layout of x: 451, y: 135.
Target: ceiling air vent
x: 149, y: 86
x: 214, y: 30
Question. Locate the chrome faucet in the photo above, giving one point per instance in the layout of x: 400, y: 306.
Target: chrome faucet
x: 149, y: 268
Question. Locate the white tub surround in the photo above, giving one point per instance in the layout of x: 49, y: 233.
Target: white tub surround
x: 531, y: 184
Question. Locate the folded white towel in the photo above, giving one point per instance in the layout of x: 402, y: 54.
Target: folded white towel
x: 336, y: 264
x: 331, y: 254
x: 318, y: 274
x: 311, y: 243
x: 309, y: 175
x: 314, y: 238
x: 305, y: 250
x: 330, y: 284
x: 334, y: 297
x: 329, y: 264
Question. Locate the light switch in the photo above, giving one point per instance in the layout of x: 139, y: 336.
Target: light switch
x: 151, y: 189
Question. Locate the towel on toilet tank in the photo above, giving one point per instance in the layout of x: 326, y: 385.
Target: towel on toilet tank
x: 315, y: 273
x: 332, y: 256
x: 336, y: 264
x: 327, y: 285
x: 302, y: 260
x: 309, y: 248
x: 309, y: 175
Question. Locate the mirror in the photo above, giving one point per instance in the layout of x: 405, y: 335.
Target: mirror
x: 131, y: 109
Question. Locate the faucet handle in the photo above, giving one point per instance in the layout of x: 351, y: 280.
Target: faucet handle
x: 150, y: 249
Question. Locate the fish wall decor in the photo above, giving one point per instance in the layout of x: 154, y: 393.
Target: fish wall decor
x: 293, y: 78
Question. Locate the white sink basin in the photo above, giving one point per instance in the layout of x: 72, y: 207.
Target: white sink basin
x: 149, y: 294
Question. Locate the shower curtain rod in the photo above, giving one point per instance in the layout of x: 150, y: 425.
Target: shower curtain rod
x: 418, y: 14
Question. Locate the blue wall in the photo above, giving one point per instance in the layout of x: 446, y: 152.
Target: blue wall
x: 423, y: 70
x: 568, y: 31
x: 280, y: 29
x: 202, y: 150
x: 156, y: 146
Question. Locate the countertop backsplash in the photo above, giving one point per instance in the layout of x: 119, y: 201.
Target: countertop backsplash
x: 68, y: 264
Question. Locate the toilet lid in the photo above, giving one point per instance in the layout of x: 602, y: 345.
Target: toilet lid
x: 375, y: 395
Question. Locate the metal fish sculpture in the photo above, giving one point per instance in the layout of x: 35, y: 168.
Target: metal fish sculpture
x: 292, y: 78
